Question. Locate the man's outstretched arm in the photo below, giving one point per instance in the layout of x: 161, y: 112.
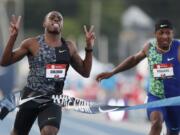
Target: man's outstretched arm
x: 128, y: 63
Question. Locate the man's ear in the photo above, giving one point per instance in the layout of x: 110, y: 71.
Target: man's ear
x: 44, y: 24
x: 62, y: 25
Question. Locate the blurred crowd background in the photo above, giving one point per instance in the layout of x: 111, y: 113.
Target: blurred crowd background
x: 122, y: 27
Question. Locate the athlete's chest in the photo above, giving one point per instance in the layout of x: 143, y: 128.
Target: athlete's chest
x: 163, y: 65
x: 48, y: 54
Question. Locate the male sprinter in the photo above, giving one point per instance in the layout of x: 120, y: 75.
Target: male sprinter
x: 49, y: 57
x: 164, y: 64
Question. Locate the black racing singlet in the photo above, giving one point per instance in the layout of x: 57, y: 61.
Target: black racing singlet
x: 48, y: 68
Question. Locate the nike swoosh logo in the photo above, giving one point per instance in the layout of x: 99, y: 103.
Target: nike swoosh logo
x: 107, y: 110
x: 61, y: 51
x: 51, y: 118
x: 27, y: 99
x: 169, y: 59
x: 163, y: 25
x: 174, y: 128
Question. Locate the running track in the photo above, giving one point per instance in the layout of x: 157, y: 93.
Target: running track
x: 78, y: 124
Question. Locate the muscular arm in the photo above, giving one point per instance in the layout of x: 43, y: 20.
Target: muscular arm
x: 83, y: 67
x: 9, y: 56
x: 130, y: 62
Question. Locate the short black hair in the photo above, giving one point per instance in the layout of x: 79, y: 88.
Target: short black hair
x: 163, y: 23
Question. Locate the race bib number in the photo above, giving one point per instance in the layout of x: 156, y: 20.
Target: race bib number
x: 55, y: 71
x: 163, y: 70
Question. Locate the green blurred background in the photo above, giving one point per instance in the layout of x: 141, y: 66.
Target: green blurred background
x: 106, y: 15
x: 121, y: 27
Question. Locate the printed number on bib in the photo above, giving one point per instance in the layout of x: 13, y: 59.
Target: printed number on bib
x: 55, y: 71
x: 163, y: 70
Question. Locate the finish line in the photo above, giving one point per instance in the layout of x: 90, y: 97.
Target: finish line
x: 9, y: 104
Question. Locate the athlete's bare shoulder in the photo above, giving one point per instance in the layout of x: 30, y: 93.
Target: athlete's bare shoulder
x: 31, y: 44
x: 146, y: 47
x: 28, y: 41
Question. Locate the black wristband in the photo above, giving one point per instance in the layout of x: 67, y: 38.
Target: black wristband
x: 88, y: 50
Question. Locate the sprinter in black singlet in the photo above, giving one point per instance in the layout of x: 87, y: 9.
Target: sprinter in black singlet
x: 49, y: 57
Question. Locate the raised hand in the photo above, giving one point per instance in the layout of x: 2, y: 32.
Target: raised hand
x: 14, y: 25
x: 90, y: 36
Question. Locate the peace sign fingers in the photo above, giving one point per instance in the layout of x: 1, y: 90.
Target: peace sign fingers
x: 15, y: 24
x: 90, y: 30
x: 90, y: 35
